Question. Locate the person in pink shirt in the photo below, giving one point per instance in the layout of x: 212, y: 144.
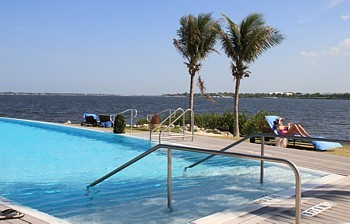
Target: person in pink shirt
x: 291, y: 129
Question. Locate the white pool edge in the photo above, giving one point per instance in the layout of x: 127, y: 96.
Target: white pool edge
x: 33, y: 212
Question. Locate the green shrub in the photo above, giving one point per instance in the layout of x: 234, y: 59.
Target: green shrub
x: 243, y: 119
x: 255, y: 123
x: 225, y: 122
x: 222, y: 122
x: 142, y: 121
x: 119, y: 124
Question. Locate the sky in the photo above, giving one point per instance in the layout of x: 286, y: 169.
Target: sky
x: 126, y: 47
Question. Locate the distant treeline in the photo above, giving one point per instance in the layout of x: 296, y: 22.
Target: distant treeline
x: 55, y: 94
x: 341, y: 96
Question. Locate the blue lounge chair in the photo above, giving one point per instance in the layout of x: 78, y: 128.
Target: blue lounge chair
x: 105, y: 121
x: 318, y: 145
x: 90, y: 119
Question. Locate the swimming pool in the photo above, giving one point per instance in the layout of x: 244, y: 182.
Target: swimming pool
x: 47, y: 167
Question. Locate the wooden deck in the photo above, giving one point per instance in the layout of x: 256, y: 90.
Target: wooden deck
x: 335, y: 194
x: 327, y: 204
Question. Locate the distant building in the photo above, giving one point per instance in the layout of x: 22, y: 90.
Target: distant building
x: 283, y: 93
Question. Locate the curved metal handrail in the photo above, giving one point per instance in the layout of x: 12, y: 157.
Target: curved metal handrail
x: 149, y: 116
x: 163, y: 121
x: 267, y: 135
x: 222, y: 150
x: 262, y: 158
x: 183, y: 125
x: 133, y: 114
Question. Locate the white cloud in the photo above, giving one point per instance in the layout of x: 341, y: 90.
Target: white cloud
x: 310, y: 54
x: 343, y: 48
x: 345, y: 17
x: 331, y: 4
x: 334, y: 3
x: 302, y: 21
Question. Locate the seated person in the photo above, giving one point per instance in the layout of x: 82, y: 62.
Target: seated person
x: 291, y: 129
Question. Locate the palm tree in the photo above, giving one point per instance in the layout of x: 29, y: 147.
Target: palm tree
x: 197, y: 37
x: 243, y: 44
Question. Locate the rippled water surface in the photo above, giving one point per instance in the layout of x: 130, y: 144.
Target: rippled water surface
x: 327, y: 118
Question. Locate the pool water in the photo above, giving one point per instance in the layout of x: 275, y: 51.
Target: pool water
x: 47, y: 167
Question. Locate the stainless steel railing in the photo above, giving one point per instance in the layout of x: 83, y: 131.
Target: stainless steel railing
x: 166, y: 111
x: 183, y: 116
x: 222, y: 152
x: 133, y: 114
x: 168, y: 118
x: 267, y: 135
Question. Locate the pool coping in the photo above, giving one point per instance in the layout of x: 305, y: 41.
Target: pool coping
x: 32, y: 212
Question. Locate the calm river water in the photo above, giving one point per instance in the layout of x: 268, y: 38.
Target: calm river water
x: 327, y: 118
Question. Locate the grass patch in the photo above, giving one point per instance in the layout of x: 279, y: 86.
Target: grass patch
x: 343, y: 151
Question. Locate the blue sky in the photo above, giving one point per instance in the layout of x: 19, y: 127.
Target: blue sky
x: 125, y: 47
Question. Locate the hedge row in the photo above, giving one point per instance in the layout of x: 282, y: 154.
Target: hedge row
x: 224, y: 122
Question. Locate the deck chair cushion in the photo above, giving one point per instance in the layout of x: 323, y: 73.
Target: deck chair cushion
x: 105, y: 120
x: 322, y: 146
x: 91, y: 115
x: 270, y: 120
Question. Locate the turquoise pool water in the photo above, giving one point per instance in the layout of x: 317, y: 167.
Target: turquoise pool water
x: 47, y: 167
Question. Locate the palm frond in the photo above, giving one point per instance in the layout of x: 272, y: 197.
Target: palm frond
x: 202, y: 88
x: 197, y: 37
x: 245, y: 42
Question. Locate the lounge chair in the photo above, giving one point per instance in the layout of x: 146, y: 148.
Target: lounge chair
x: 318, y: 145
x: 90, y: 119
x: 105, y: 121
x: 270, y: 120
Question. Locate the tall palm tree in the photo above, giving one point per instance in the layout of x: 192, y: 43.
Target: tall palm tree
x: 196, y: 39
x: 243, y: 44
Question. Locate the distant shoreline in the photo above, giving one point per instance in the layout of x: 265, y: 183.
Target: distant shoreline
x: 286, y: 95
x: 275, y: 95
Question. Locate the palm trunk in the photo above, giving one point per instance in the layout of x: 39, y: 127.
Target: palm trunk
x: 191, y: 100
x: 235, y: 109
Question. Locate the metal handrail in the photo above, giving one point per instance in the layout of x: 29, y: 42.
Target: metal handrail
x: 133, y: 114
x: 262, y: 158
x: 149, y: 116
x: 267, y: 135
x: 221, y: 150
x: 163, y: 121
x: 183, y: 125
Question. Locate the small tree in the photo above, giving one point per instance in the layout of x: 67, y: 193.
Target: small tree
x: 197, y: 38
x: 243, y: 43
x: 155, y: 120
x: 119, y: 124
